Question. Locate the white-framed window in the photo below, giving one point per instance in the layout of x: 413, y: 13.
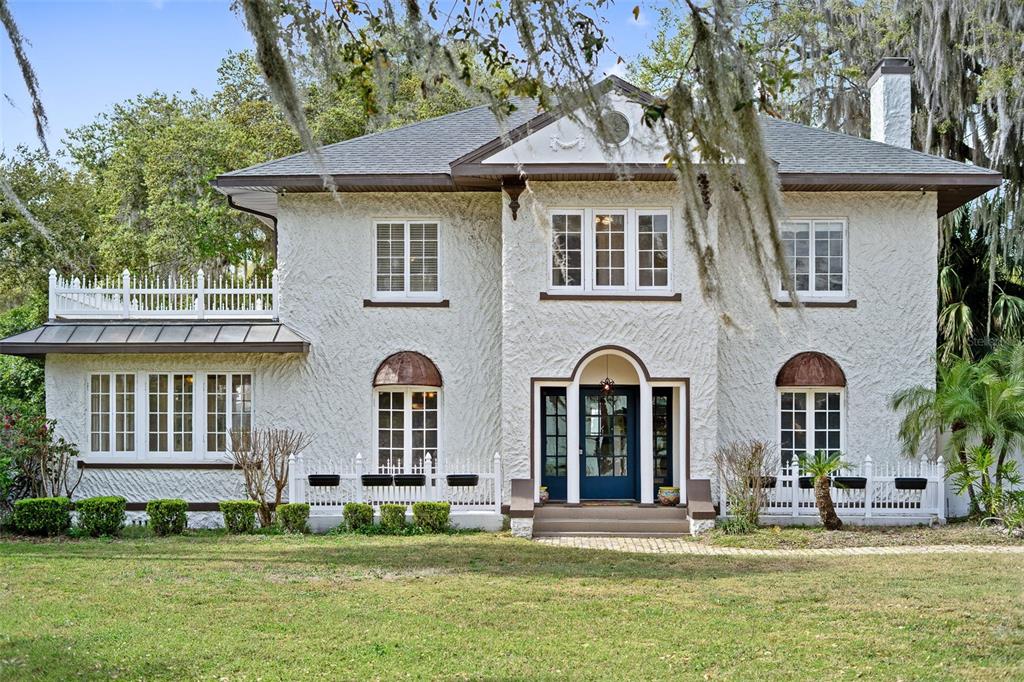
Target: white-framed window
x: 145, y: 414
x: 811, y: 419
x: 228, y: 408
x: 816, y: 257
x: 407, y: 258
x: 609, y: 250
x: 408, y: 427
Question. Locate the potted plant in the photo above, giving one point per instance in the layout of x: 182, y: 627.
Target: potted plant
x: 668, y: 495
x: 544, y: 494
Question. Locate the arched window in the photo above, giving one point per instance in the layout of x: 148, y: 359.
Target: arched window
x: 407, y: 411
x: 811, y: 403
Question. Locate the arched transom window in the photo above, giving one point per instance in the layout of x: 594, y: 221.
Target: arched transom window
x: 407, y: 411
x: 811, y: 404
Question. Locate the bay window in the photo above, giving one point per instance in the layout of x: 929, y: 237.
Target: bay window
x: 609, y: 251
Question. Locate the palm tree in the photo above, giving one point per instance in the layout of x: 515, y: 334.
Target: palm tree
x: 975, y: 402
x: 821, y: 467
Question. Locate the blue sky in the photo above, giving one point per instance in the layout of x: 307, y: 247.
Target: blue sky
x: 89, y: 55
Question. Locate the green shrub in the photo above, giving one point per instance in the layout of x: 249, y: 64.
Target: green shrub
x: 737, y: 525
x: 167, y: 517
x: 432, y: 517
x: 392, y: 517
x: 101, y: 515
x: 239, y: 515
x: 292, y: 517
x: 358, y: 515
x: 42, y: 515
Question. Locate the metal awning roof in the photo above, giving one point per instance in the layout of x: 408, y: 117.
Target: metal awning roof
x: 155, y: 337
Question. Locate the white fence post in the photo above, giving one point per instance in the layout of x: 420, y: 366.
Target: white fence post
x: 869, y: 486
x: 53, y: 294
x: 126, y: 293
x: 201, y: 294
x: 428, y: 470
x: 274, y: 297
x: 300, y: 479
x: 794, y: 484
x: 940, y: 497
x: 499, y: 484
x: 359, y: 477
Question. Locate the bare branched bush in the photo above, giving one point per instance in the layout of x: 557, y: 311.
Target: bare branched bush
x: 262, y: 456
x: 745, y: 468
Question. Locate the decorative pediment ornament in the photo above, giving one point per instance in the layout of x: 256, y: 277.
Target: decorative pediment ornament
x: 557, y: 145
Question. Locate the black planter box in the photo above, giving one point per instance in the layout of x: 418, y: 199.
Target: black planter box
x: 324, y: 480
x: 410, y: 479
x: 850, y: 482
x: 911, y: 483
x: 766, y: 482
x: 378, y: 479
x: 807, y: 482
x: 462, y: 480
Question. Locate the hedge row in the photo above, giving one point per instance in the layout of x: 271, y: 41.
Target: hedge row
x: 429, y: 517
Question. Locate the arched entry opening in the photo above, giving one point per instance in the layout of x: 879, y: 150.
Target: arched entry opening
x: 609, y: 431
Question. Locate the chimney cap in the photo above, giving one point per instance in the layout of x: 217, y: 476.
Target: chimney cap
x: 888, y: 65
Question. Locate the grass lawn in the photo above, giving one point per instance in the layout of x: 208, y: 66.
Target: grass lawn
x: 810, y: 537
x: 490, y: 606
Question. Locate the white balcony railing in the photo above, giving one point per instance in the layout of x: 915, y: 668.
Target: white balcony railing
x: 163, y: 298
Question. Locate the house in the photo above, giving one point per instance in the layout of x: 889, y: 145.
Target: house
x: 501, y: 303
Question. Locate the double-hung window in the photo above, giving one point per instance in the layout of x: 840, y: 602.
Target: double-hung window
x: 815, y: 251
x: 407, y: 428
x: 407, y: 259
x: 810, y: 420
x: 609, y: 250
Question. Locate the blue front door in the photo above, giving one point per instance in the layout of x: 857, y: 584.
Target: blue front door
x: 608, y: 444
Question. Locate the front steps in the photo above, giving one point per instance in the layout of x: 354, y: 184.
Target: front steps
x: 623, y: 520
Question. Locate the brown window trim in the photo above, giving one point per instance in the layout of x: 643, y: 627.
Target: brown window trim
x: 220, y: 466
x: 367, y: 303
x: 852, y: 303
x: 654, y: 298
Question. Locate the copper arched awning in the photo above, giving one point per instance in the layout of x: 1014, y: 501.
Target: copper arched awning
x: 407, y: 368
x: 810, y: 369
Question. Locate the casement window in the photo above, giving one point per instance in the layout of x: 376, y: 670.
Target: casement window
x: 816, y: 257
x: 228, y: 409
x: 149, y: 413
x: 614, y: 250
x: 112, y: 413
x: 406, y: 259
x: 810, y: 419
x: 408, y: 428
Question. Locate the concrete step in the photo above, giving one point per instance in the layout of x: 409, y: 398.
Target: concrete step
x: 608, y: 526
x: 585, y: 534
x: 615, y: 512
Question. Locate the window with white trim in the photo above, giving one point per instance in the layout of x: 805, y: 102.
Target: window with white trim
x: 613, y: 250
x: 406, y: 259
x: 408, y: 428
x: 810, y: 419
x: 112, y: 412
x: 171, y: 418
x: 815, y: 252
x: 228, y: 409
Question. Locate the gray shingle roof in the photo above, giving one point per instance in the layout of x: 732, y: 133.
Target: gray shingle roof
x: 425, y: 147
x: 802, y: 149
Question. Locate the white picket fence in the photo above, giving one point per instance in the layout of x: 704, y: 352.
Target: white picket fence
x: 190, y: 298
x: 485, y: 496
x: 880, y: 501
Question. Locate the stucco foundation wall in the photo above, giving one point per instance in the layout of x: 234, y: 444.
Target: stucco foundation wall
x: 548, y: 338
x: 884, y: 344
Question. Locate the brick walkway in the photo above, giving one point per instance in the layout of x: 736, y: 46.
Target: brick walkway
x: 680, y: 546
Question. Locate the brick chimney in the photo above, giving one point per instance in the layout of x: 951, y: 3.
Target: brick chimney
x: 890, y: 101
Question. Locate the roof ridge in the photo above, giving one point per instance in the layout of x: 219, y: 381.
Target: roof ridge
x: 868, y: 140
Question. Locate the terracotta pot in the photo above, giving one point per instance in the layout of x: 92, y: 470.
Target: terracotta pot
x: 668, y: 496
x: 544, y: 495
